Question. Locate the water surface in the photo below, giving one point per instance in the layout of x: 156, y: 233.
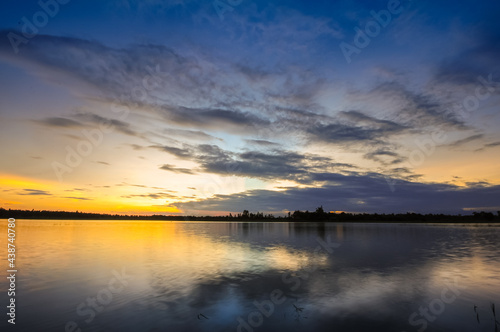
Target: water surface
x: 224, y: 276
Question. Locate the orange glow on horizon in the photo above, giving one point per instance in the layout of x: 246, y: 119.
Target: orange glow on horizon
x: 9, y: 180
x: 58, y: 197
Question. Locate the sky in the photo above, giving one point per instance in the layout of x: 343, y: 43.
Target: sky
x: 212, y: 107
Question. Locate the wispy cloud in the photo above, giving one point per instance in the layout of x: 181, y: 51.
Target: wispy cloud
x: 160, y: 195
x: 34, y: 192
x: 79, y: 198
x: 171, y: 168
x: 59, y: 122
x: 466, y: 140
x: 489, y: 145
x: 119, y: 125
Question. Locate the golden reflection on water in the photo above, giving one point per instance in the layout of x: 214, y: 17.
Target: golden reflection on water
x: 175, y: 252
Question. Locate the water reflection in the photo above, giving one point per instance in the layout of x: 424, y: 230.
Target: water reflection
x: 224, y: 276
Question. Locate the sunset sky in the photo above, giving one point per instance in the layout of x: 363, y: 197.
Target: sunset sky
x: 210, y: 107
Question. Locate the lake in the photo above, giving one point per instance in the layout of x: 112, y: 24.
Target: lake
x: 236, y: 276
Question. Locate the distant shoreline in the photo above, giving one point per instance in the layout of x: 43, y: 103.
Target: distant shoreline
x: 283, y: 220
x: 297, y: 216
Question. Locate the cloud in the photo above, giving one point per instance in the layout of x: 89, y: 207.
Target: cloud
x: 196, y: 135
x: 221, y: 95
x: 79, y: 198
x: 362, y: 119
x: 160, y: 195
x: 385, y: 157
x: 489, y: 145
x: 212, y: 118
x: 119, y: 125
x: 357, y: 193
x: 137, y: 147
x: 350, y: 133
x: 59, y: 122
x: 76, y: 189
x: 350, y: 127
x: 178, y: 152
x: 125, y: 184
x: 272, y: 164
x: 466, y: 140
x: 171, y: 168
x: 34, y: 192
x: 414, y: 109
x: 278, y: 164
x: 261, y: 142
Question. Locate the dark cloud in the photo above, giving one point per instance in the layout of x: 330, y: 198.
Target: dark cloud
x: 362, y: 119
x: 119, y: 125
x: 272, y: 164
x: 358, y: 193
x: 212, y: 118
x: 34, y: 192
x: 261, y: 142
x: 478, y: 184
x: 386, y: 157
x: 491, y: 145
x: 178, y: 152
x: 171, y: 168
x: 404, y: 173
x: 346, y: 133
x: 59, y: 122
x: 280, y: 164
x: 348, y: 127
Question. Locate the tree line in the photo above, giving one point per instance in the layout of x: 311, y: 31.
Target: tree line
x: 318, y: 215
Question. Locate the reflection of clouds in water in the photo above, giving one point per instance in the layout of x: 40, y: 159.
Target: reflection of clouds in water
x: 355, y: 292
x: 282, y: 258
x: 221, y: 259
x: 359, y: 291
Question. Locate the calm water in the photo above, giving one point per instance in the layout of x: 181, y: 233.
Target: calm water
x: 200, y: 276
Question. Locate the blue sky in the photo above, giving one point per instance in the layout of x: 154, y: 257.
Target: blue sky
x: 204, y: 107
